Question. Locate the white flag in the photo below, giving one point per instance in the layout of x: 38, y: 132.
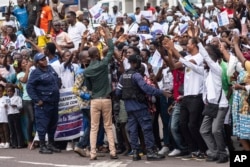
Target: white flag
x: 39, y: 31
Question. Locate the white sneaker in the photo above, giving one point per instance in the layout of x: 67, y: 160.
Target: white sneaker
x: 175, y: 152
x: 1, y: 145
x: 163, y: 150
x: 70, y: 146
x: 7, y: 145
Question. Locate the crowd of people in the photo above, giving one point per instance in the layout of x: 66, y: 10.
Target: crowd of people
x: 194, y: 77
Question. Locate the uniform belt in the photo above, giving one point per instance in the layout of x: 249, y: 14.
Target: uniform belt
x: 107, y: 97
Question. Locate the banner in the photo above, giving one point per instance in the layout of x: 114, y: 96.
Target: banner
x: 147, y: 14
x: 70, y: 117
x: 223, y: 18
x: 187, y: 6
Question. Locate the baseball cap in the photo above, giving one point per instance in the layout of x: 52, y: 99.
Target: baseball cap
x: 78, y: 13
x: 38, y: 57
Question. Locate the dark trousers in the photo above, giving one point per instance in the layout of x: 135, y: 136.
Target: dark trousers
x: 190, y: 122
x: 16, y: 135
x: 46, y: 117
x: 165, y: 117
x: 142, y: 118
x: 4, y: 133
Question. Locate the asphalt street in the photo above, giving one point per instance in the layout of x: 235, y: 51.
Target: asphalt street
x: 31, y: 158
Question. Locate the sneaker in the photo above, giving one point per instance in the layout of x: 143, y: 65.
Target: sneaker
x: 190, y: 156
x: 174, y: 153
x: 2, y: 145
x: 211, y: 159
x: 201, y: 156
x: 6, y: 145
x: 70, y: 146
x: 222, y: 160
x: 131, y: 153
x: 163, y: 150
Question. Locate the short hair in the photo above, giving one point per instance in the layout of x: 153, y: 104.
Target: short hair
x: 155, y: 43
x: 72, y: 13
x: 137, y: 8
x: 51, y: 47
x: 135, y: 49
x: 147, y: 52
x: 11, y: 87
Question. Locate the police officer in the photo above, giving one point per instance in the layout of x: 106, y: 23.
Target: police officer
x: 132, y: 89
x: 43, y: 88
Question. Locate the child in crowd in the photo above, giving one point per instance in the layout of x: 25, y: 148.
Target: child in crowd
x: 4, y: 136
x: 14, y: 104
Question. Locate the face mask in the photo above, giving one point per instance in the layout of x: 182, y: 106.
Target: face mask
x: 170, y: 18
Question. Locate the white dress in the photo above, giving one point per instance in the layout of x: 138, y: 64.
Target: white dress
x: 3, y: 111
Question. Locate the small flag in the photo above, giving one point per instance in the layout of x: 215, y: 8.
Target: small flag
x: 39, y: 31
x: 183, y: 28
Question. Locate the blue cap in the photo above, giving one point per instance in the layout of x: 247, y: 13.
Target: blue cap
x: 38, y: 57
x: 144, y: 28
x: 132, y: 16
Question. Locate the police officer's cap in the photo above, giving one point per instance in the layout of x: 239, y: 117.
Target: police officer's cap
x: 38, y: 57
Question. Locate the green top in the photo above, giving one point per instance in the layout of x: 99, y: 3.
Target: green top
x: 225, y: 79
x: 96, y: 74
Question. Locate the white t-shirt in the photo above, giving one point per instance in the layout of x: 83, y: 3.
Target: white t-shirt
x: 75, y: 33
x: 3, y: 113
x: 167, y: 80
x: 56, y: 66
x: 9, y: 23
x: 138, y: 18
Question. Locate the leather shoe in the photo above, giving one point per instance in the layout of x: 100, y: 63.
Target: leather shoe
x: 211, y: 159
x: 222, y: 160
x: 113, y: 156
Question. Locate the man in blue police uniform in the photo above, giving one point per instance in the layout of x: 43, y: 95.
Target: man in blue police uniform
x: 132, y: 89
x: 43, y: 88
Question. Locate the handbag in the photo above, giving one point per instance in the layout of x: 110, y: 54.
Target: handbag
x: 211, y: 109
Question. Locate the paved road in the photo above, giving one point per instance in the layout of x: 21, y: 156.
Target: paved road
x: 28, y: 158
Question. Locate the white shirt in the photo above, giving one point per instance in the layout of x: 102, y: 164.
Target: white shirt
x: 114, y: 16
x: 213, y: 81
x: 3, y: 110
x: 132, y: 29
x: 193, y: 78
x: 14, y: 100
x: 138, y: 18
x: 56, y: 66
x: 75, y: 33
x: 9, y: 23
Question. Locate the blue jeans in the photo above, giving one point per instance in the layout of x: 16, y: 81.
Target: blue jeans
x: 84, y: 139
x: 165, y: 117
x: 175, y: 127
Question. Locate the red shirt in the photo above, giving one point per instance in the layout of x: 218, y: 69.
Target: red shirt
x: 230, y: 12
x: 178, y: 76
